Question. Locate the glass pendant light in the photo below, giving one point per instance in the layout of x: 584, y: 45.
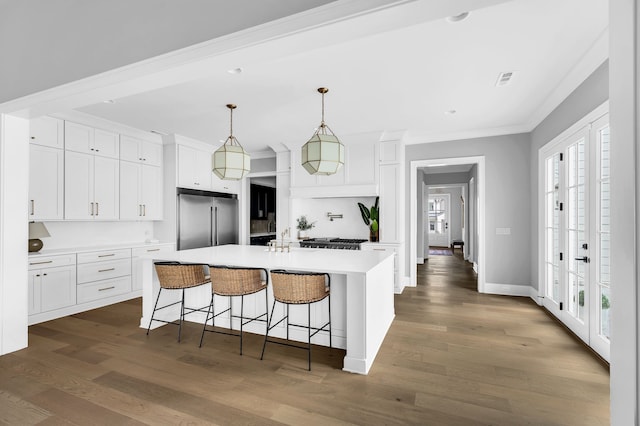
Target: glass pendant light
x: 323, y: 154
x: 231, y: 161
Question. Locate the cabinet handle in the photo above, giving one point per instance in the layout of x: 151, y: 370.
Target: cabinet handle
x: 378, y: 249
x: 33, y: 137
x: 148, y: 250
x: 106, y: 270
x: 107, y: 288
x: 44, y: 275
x: 144, y: 210
x: 33, y: 207
x: 92, y: 209
x: 40, y: 263
x: 92, y: 149
x: 97, y: 209
x: 106, y: 255
x: 97, y: 150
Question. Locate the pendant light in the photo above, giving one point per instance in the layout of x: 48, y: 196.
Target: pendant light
x: 323, y: 154
x: 231, y: 161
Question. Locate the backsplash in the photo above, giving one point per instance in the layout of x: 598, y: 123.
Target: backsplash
x: 85, y: 234
x: 316, y: 209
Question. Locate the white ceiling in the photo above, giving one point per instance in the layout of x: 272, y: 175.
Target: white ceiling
x: 402, y: 79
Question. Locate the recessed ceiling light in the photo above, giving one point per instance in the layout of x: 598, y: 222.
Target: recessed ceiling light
x: 457, y: 18
x: 504, y: 78
x: 109, y: 101
x: 450, y: 112
x: 235, y: 71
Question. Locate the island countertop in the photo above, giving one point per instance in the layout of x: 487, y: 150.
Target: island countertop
x: 362, y: 292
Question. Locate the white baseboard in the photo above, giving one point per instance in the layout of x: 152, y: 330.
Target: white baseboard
x: 475, y: 267
x: 405, y: 281
x: 511, y: 290
x: 420, y: 260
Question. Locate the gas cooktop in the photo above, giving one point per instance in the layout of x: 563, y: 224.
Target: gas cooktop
x: 333, y: 243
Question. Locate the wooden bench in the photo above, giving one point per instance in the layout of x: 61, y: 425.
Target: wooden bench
x: 457, y: 243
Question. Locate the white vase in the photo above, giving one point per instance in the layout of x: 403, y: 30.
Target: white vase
x: 302, y: 234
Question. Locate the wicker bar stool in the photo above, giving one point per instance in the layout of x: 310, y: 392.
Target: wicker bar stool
x: 299, y: 288
x: 178, y: 276
x: 232, y: 282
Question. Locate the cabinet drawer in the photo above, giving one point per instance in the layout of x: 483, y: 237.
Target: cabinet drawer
x: 97, y: 256
x: 142, y: 251
x: 51, y: 261
x: 103, y: 270
x: 103, y: 289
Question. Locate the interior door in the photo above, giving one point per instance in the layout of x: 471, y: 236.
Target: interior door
x: 438, y: 220
x: 576, y: 233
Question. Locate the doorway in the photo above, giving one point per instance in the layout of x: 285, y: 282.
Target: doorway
x: 262, y: 209
x: 479, y: 209
x: 437, y: 219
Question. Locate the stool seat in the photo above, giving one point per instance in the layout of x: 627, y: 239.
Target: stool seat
x: 458, y: 243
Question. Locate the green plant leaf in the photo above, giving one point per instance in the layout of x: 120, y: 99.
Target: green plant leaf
x: 374, y: 225
x: 365, y: 213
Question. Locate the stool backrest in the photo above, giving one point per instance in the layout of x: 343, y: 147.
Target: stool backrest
x: 177, y: 275
x: 299, y: 287
x: 231, y: 281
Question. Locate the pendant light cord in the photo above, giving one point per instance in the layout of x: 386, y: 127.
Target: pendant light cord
x: 322, y: 122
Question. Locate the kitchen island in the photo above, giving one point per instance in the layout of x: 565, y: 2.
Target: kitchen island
x: 362, y: 296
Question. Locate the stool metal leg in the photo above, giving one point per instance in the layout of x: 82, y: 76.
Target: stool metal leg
x: 309, y: 333
x: 266, y: 334
x: 206, y: 320
x: 241, y: 319
x: 154, y: 310
x: 181, y: 316
x: 329, y: 301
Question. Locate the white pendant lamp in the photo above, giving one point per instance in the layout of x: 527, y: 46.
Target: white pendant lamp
x: 231, y: 161
x: 323, y: 154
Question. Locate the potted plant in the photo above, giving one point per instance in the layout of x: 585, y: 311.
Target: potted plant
x: 370, y: 216
x: 303, y: 226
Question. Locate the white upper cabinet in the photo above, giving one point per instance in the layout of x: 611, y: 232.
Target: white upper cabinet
x: 47, y: 131
x: 46, y: 177
x: 194, y: 168
x: 228, y: 186
x: 85, y: 139
x: 357, y: 177
x: 140, y: 192
x: 91, y: 187
x: 140, y: 151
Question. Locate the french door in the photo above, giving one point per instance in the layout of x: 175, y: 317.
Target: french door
x: 576, y: 233
x: 438, y: 220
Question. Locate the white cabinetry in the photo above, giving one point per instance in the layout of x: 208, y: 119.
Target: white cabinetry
x: 103, y: 274
x: 136, y: 272
x: 85, y: 139
x: 227, y: 186
x: 358, y: 176
x: 47, y: 131
x: 46, y: 177
x: 91, y: 187
x: 140, y: 191
x: 398, y: 259
x: 140, y: 151
x: 52, y: 283
x: 194, y: 168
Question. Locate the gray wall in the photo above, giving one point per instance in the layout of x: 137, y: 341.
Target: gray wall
x: 590, y: 94
x: 263, y: 165
x: 507, y: 174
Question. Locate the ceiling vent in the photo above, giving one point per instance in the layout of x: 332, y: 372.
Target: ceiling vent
x: 504, y: 78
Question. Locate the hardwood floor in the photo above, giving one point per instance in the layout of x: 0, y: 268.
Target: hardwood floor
x: 452, y: 357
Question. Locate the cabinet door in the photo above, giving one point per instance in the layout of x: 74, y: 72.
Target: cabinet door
x: 361, y: 165
x: 150, y: 194
x: 389, y: 204
x: 204, y: 175
x: 228, y: 186
x: 106, y: 144
x: 34, y: 292
x: 106, y: 178
x: 78, y: 186
x: 186, y: 167
x: 46, y: 177
x: 130, y: 205
x: 130, y: 149
x: 78, y: 137
x: 58, y: 287
x: 151, y: 153
x: 47, y: 131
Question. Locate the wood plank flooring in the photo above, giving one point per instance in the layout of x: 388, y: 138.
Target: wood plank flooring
x: 452, y: 357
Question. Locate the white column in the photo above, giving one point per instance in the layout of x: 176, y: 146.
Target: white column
x: 624, y: 94
x: 14, y: 188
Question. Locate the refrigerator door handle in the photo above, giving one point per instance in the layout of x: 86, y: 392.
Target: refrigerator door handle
x: 216, y: 225
x: 211, y: 226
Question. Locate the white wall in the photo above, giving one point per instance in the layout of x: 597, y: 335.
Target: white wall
x: 350, y: 226
x: 14, y: 187
x: 507, y: 165
x: 87, y: 234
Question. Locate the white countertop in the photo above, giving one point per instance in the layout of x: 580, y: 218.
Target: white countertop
x: 302, y: 259
x: 68, y: 250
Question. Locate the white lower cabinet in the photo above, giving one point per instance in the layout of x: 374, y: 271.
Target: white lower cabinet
x: 52, y: 283
x: 103, y: 274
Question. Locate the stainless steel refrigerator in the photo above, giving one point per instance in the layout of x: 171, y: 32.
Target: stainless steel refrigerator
x: 206, y: 219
